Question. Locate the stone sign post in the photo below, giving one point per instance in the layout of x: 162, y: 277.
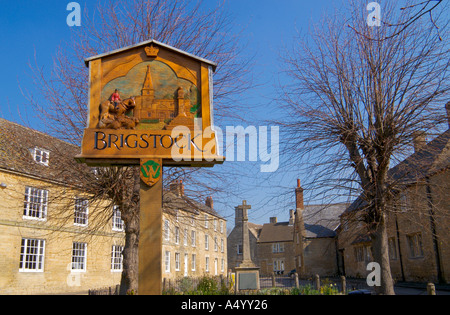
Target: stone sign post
x: 150, y: 105
x: 247, y: 274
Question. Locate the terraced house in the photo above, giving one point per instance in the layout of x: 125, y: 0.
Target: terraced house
x: 54, y: 238
x: 194, y: 237
x: 50, y: 240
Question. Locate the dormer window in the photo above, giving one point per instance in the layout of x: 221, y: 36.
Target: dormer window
x: 41, y: 156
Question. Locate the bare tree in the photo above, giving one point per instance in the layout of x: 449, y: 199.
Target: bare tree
x: 357, y: 96
x: 186, y: 25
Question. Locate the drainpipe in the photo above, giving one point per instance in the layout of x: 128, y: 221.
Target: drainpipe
x: 433, y: 232
x: 400, y: 256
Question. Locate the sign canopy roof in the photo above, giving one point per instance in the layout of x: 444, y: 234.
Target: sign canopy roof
x: 148, y: 42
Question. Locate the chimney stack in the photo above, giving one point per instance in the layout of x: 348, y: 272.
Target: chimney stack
x: 273, y: 220
x: 299, y: 196
x: 177, y: 188
x: 420, y: 140
x: 209, y: 202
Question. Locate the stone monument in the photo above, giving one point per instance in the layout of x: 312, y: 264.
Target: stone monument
x: 247, y: 273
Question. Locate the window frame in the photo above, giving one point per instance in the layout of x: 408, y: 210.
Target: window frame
x: 83, y: 257
x: 43, y: 160
x: 37, y: 257
x: 37, y: 203
x: 118, y: 225
x: 81, y: 212
x: 117, y: 258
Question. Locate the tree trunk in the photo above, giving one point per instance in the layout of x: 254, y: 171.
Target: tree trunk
x: 380, y: 251
x: 129, y: 280
x: 131, y: 216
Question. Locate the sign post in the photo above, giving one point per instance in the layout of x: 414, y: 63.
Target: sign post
x: 150, y: 105
x: 150, y: 233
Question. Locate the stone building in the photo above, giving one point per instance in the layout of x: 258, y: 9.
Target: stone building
x: 50, y: 239
x: 53, y: 239
x: 276, y: 247
x: 417, y: 218
x: 194, y: 237
x: 306, y: 243
x: 315, y: 237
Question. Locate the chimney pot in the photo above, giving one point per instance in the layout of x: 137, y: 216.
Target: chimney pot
x: 299, y: 196
x: 177, y: 188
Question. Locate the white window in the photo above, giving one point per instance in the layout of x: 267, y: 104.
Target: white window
x: 177, y: 235
x: 278, y: 266
x: 222, y: 245
x: 206, y: 222
x: 221, y: 226
x: 206, y: 242
x: 166, y: 230
x: 193, y: 238
x: 207, y: 264
x: 117, y: 222
x: 185, y: 237
x: 277, y: 248
x: 79, y: 256
x: 116, y: 258
x: 177, y: 262
x: 222, y: 265
x: 216, y: 245
x: 41, y: 156
x: 81, y: 212
x: 32, y: 255
x: 215, y: 224
x: 35, y: 204
x: 167, y: 261
x: 193, y: 264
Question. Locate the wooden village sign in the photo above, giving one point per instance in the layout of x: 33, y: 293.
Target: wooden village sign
x: 150, y: 104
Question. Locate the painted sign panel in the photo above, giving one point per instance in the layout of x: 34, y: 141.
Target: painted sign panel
x: 150, y: 101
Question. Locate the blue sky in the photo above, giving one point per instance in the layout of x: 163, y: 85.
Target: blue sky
x: 34, y: 29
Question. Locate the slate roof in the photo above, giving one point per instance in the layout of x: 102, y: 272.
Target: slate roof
x: 276, y: 232
x: 172, y: 202
x: 432, y: 158
x: 17, y: 144
x: 322, y: 220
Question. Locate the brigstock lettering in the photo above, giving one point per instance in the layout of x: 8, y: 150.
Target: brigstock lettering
x: 143, y: 141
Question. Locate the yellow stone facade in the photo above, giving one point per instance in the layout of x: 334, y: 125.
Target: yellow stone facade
x: 56, y: 274
x: 194, y: 244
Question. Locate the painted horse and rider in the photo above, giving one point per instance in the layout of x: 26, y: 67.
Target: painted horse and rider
x: 113, y: 113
